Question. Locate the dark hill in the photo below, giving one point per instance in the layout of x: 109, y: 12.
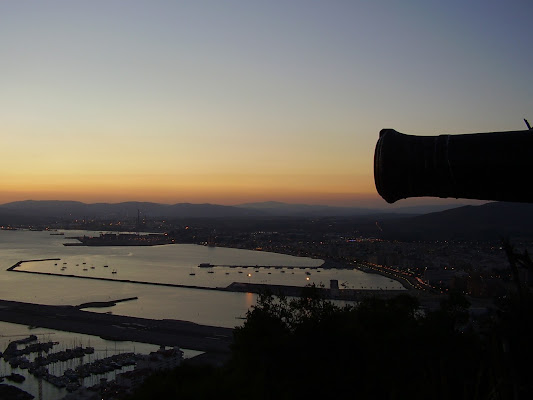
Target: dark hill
x: 278, y: 209
x: 491, y: 221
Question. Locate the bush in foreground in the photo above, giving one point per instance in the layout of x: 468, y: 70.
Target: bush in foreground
x: 378, y: 349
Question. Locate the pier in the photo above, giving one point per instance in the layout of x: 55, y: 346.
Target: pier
x: 338, y: 294
x: 208, y: 265
x: 327, y: 293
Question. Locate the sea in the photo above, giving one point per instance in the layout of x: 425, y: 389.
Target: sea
x: 175, y: 264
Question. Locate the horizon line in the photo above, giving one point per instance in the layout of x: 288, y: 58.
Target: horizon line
x: 419, y: 202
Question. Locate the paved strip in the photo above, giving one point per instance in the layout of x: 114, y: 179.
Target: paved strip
x: 165, y: 332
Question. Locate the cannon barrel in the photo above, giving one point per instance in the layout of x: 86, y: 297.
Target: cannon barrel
x: 483, y: 166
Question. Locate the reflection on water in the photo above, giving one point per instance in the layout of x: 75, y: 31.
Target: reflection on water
x: 176, y: 264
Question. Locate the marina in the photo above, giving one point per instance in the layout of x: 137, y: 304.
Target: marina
x: 49, y: 364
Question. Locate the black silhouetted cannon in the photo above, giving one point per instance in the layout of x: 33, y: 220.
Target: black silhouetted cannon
x: 484, y: 166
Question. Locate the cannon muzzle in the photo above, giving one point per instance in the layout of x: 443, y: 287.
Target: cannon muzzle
x: 483, y: 166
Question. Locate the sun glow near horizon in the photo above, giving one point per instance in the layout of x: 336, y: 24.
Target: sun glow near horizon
x: 203, y: 102
x: 227, y: 189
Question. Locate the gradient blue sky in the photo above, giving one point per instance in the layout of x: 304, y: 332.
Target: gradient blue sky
x: 236, y: 101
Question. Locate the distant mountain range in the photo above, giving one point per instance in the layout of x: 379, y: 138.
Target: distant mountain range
x: 75, y: 209
x: 488, y: 221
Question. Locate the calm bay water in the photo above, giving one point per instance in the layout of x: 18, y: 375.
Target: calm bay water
x: 177, y: 264
x: 167, y: 264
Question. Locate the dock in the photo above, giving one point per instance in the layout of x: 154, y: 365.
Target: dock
x: 208, y: 265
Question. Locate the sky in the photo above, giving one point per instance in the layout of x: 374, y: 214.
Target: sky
x: 229, y: 102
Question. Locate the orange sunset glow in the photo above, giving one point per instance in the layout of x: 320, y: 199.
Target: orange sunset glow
x: 191, y: 103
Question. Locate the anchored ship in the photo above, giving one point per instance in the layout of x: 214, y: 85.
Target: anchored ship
x: 124, y: 239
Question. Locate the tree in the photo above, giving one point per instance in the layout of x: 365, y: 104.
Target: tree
x: 309, y: 347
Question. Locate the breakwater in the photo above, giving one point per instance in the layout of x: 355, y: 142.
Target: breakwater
x: 207, y: 265
x: 18, y: 264
x: 342, y: 294
x: 102, y: 304
x: 96, y: 278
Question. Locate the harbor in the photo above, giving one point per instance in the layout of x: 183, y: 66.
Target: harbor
x: 331, y: 292
x: 50, y: 369
x: 145, y: 295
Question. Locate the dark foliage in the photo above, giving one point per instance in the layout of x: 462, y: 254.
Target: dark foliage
x: 379, y: 349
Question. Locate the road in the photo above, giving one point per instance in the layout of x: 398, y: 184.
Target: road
x: 183, y: 334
